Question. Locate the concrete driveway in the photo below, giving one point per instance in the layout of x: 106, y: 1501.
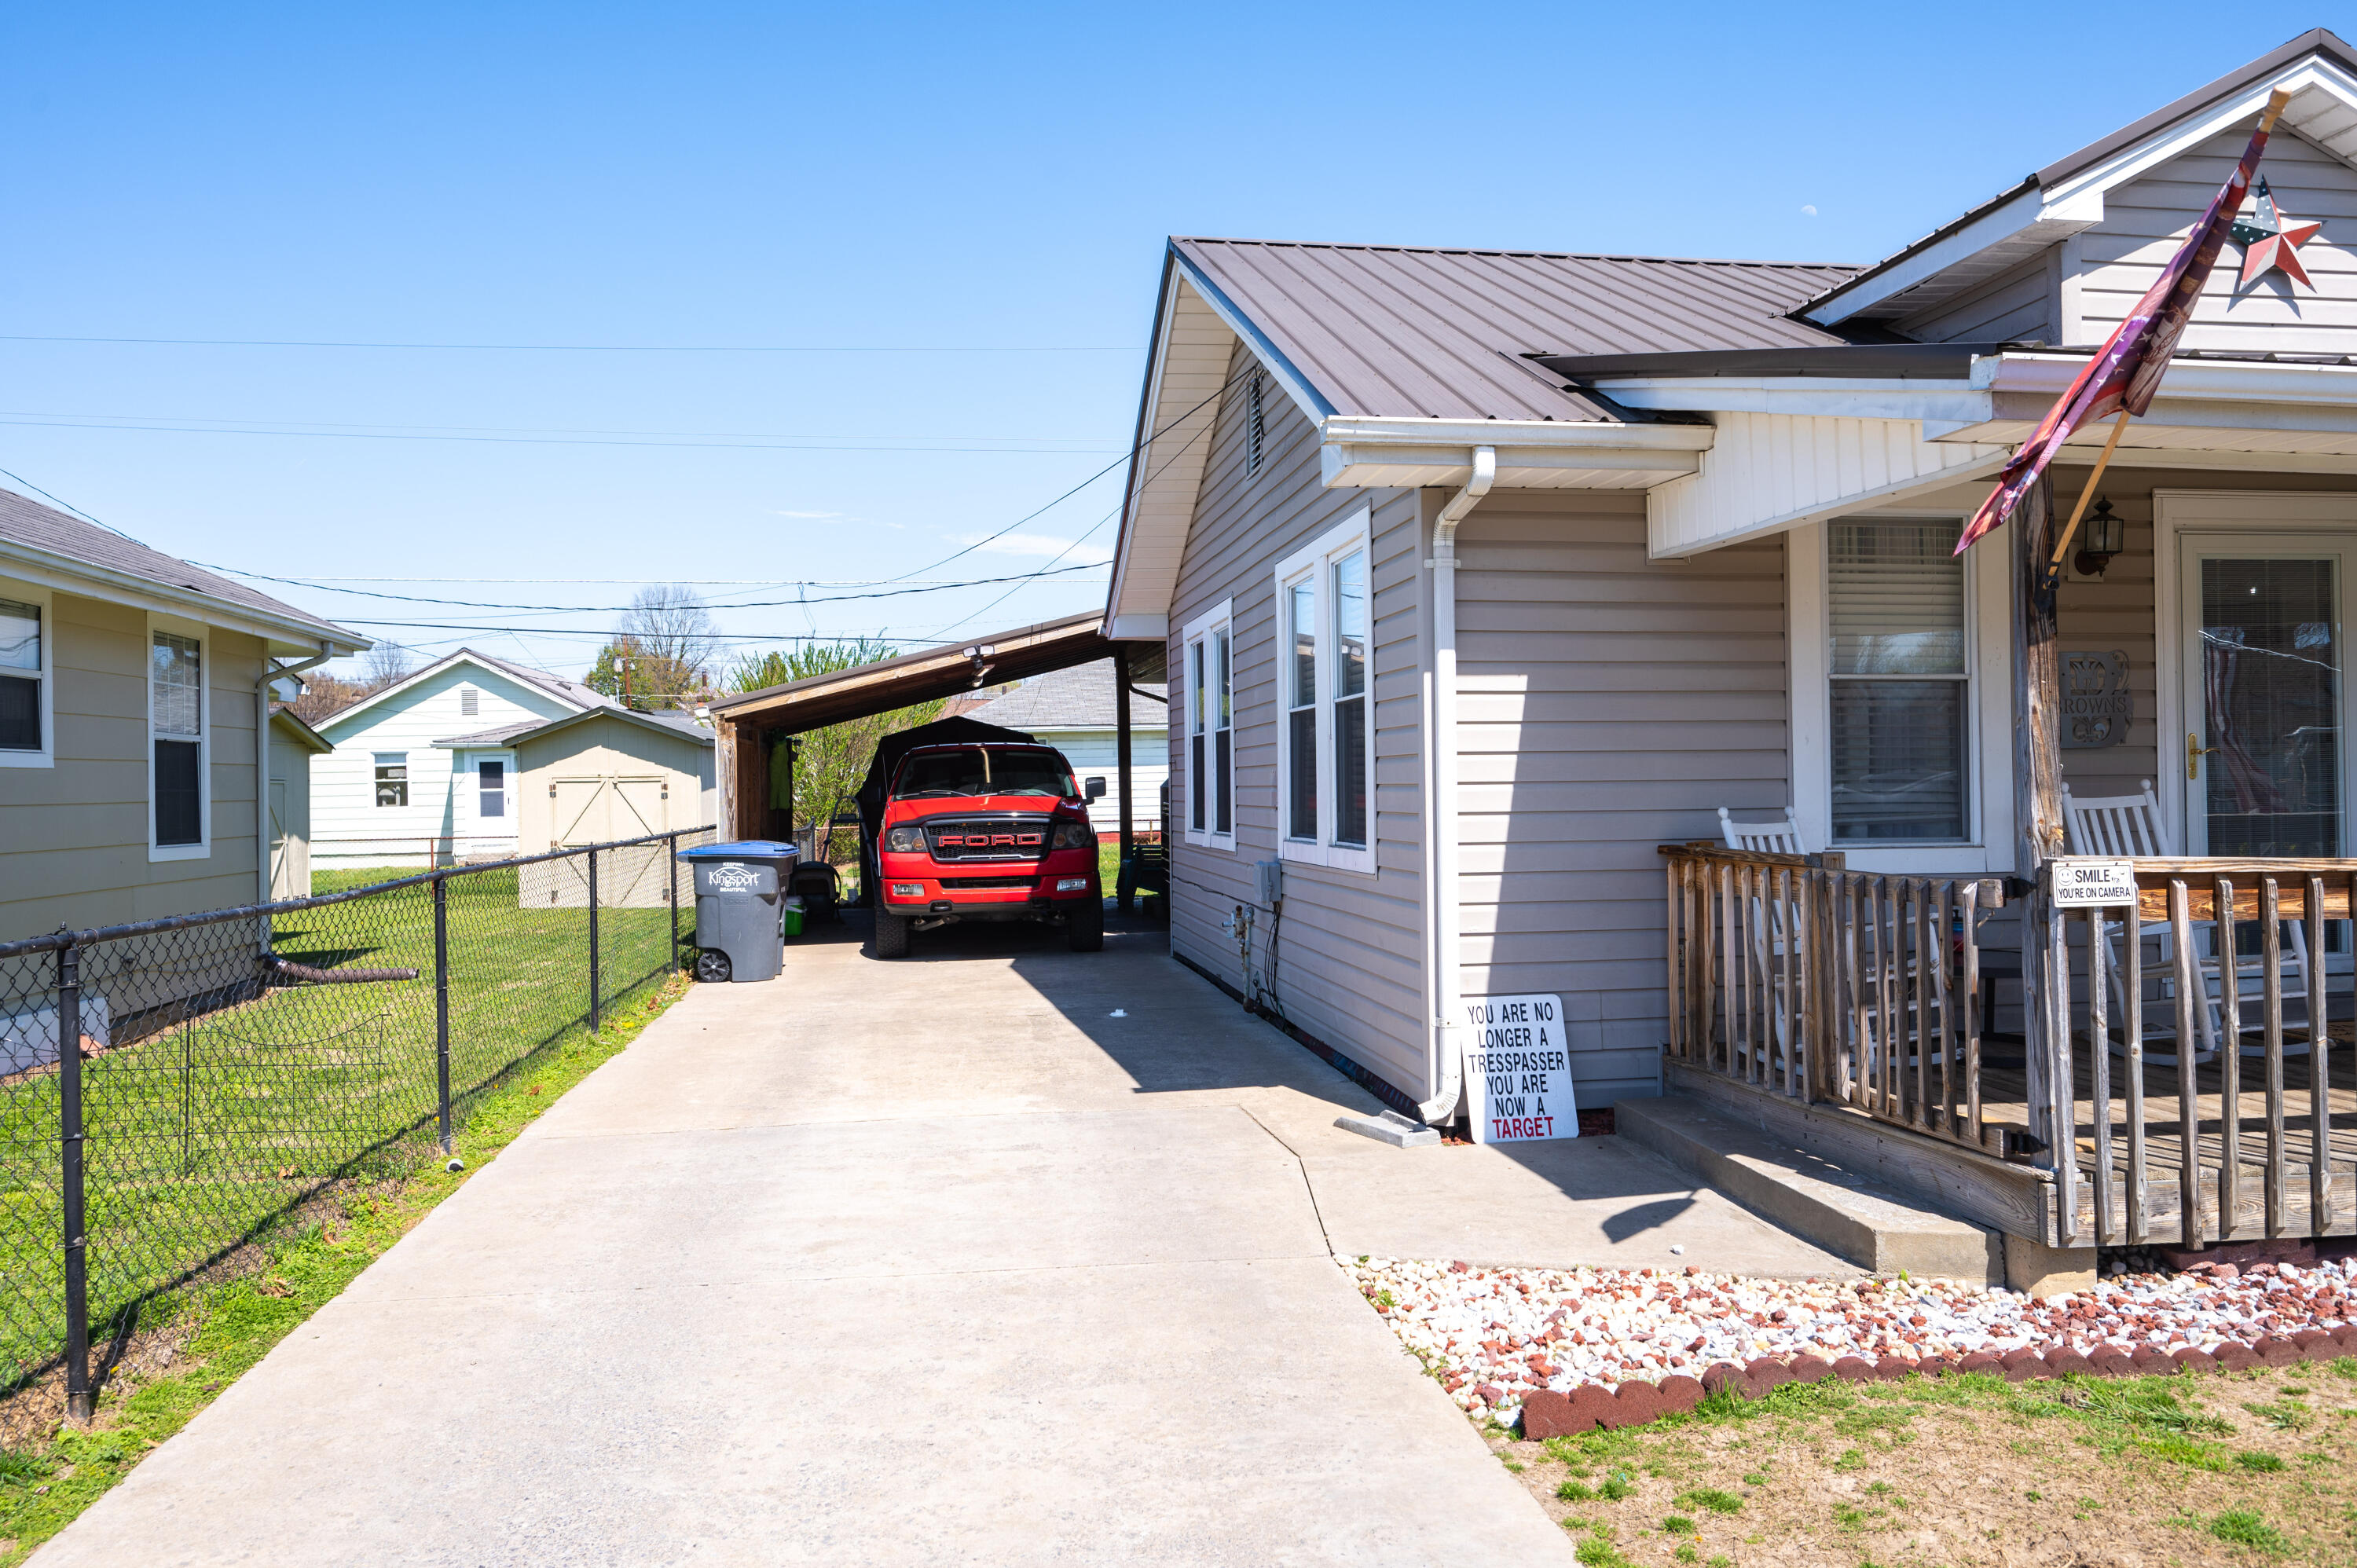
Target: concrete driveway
x: 935, y: 1261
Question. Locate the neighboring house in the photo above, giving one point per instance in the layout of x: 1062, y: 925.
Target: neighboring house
x: 133, y: 687
x: 293, y: 745
x: 1490, y: 570
x: 391, y: 794
x: 605, y: 774
x: 1073, y: 710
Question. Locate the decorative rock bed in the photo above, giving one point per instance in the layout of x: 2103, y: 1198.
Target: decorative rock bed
x: 1578, y: 1350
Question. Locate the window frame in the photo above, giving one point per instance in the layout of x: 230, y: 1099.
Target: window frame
x: 505, y: 762
x: 1197, y: 639
x: 1317, y: 562
x: 1988, y: 843
x: 201, y: 635
x: 45, y: 599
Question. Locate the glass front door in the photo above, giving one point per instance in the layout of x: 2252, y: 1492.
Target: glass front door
x: 2264, y: 699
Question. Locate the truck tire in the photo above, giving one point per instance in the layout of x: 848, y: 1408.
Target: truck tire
x: 891, y: 935
x: 1084, y: 927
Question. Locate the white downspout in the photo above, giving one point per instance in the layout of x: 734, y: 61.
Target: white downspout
x: 1444, y: 916
x: 261, y: 763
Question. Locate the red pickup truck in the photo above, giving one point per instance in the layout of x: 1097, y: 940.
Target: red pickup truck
x: 985, y: 831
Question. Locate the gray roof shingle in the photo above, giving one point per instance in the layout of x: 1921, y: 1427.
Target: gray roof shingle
x: 1079, y: 698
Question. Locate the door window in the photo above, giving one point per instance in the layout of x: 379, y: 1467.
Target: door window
x: 492, y: 780
x: 2265, y: 773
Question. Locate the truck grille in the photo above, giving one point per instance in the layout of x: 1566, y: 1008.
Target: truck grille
x: 987, y: 838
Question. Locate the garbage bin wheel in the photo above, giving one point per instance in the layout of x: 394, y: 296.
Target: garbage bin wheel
x: 1084, y: 927
x: 891, y: 935
x: 712, y: 966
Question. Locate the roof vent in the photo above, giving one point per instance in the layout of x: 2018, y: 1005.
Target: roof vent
x: 1256, y: 425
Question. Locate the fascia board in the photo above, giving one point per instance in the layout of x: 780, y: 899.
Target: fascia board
x: 1149, y: 407
x: 1312, y: 401
x: 2032, y: 216
x: 2312, y: 75
x: 1136, y: 627
x: 1369, y: 431
x: 89, y: 580
x: 1359, y: 452
x: 1844, y: 398
x: 2047, y: 375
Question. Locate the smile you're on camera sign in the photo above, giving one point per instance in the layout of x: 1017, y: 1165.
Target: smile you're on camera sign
x: 1518, y: 1069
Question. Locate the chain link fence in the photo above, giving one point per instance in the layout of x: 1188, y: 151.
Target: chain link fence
x: 233, y: 1065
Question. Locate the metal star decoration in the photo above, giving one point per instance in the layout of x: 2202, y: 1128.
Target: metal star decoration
x: 2270, y: 241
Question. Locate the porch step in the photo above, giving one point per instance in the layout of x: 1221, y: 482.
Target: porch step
x: 1857, y: 1219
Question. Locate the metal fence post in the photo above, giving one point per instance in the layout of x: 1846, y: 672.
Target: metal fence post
x: 670, y: 883
x: 442, y: 1004
x: 79, y: 1401
x: 593, y: 941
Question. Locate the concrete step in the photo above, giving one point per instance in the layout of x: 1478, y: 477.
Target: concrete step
x: 1860, y: 1220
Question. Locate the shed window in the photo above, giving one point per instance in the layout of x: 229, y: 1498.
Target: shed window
x: 1326, y: 738
x: 1211, y: 730
x: 1899, y: 673
x: 393, y: 779
x: 21, y: 674
x: 175, y: 725
x: 1256, y: 425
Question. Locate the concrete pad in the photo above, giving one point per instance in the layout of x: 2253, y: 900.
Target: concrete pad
x: 1873, y: 1226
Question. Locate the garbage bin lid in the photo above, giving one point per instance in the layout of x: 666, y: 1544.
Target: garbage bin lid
x: 744, y: 849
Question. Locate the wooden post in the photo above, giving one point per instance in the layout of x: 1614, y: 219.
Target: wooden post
x: 1127, y: 882
x: 2037, y: 807
x: 723, y: 767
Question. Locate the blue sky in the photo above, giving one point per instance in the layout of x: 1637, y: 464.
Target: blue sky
x: 982, y: 194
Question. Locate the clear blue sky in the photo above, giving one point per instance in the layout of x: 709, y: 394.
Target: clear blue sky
x: 955, y: 183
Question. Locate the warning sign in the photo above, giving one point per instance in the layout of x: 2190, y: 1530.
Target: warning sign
x: 1518, y: 1069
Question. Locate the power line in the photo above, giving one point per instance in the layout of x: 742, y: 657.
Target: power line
x: 596, y: 348
x: 73, y: 509
x: 593, y: 609
x: 343, y: 425
x: 546, y: 440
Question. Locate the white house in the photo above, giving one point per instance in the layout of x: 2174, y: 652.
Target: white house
x: 1073, y: 710
x: 392, y: 793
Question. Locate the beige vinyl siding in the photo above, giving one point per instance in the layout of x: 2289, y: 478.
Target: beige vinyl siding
x: 2145, y: 221
x: 2023, y: 303
x: 1350, y: 957
x: 1608, y: 704
x: 74, y: 836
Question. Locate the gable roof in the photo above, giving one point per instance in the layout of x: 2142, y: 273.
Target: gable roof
x: 44, y: 535
x: 1417, y: 332
x: 667, y: 723
x: 572, y: 694
x: 300, y: 732
x: 1082, y: 697
x: 2066, y: 196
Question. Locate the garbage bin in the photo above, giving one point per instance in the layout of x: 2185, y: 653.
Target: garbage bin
x: 740, y: 907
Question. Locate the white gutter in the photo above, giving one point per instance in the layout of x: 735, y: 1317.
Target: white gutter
x: 261, y: 763
x: 1443, y: 917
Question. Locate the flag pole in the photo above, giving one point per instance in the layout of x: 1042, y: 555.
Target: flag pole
x: 2086, y: 494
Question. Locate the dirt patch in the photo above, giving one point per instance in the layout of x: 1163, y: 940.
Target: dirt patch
x: 2073, y: 1473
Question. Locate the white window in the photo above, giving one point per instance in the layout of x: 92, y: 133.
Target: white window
x: 1326, y: 728
x: 1899, y: 674
x: 179, y: 804
x: 392, y: 778
x: 492, y: 783
x: 26, y: 640
x: 471, y: 702
x: 1210, y: 720
x: 1256, y: 425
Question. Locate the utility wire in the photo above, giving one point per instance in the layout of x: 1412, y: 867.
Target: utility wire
x: 591, y: 348
x: 73, y: 509
x: 776, y: 445
x: 594, y: 609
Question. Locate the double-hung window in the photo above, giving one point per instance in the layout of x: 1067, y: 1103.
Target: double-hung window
x: 1325, y: 689
x: 391, y: 777
x: 176, y: 737
x: 24, y: 740
x: 1210, y: 752
x: 1900, y: 682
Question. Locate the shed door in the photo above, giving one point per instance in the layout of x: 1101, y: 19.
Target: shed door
x: 578, y: 812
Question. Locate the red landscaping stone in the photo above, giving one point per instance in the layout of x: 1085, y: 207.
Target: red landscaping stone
x: 2235, y: 1357
x: 1680, y: 1393
x: 2112, y: 1360
x: 2151, y: 1361
x: 1591, y: 1402
x: 1546, y: 1415
x: 2277, y: 1352
x: 1808, y: 1368
x: 2065, y: 1361
x: 2316, y: 1345
x: 1765, y: 1375
x: 2193, y: 1359
x: 2346, y: 1337
x: 2022, y: 1365
x: 1981, y: 1361
x: 1638, y: 1404
x: 1891, y: 1369
x: 1489, y: 1392
x: 1724, y: 1375
x: 1853, y: 1368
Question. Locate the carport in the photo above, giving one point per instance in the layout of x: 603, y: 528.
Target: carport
x: 752, y: 723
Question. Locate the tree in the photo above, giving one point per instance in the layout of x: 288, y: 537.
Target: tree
x: 383, y: 665
x: 662, y: 650
x: 324, y: 694
x: 830, y: 763
x: 641, y: 680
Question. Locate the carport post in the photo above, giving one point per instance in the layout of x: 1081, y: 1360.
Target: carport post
x: 593, y: 941
x: 1126, y: 883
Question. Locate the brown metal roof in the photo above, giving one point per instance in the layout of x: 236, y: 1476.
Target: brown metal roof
x: 817, y: 701
x: 1399, y: 331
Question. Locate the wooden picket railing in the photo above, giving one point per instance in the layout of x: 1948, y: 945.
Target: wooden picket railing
x: 1801, y: 977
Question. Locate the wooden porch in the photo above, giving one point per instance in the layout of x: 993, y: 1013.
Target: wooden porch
x: 1858, y: 1008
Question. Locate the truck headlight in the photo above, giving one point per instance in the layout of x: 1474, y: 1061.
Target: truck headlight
x: 1073, y: 835
x: 905, y: 841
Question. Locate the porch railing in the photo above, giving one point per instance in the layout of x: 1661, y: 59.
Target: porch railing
x: 1803, y: 979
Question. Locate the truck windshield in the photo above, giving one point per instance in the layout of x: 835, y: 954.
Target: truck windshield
x: 979, y: 772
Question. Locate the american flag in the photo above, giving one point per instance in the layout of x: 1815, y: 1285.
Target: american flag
x: 2127, y: 372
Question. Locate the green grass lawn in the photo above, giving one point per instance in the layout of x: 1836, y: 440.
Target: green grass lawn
x: 207, y: 1129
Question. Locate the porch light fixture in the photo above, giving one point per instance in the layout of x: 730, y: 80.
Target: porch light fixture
x: 2103, y: 540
